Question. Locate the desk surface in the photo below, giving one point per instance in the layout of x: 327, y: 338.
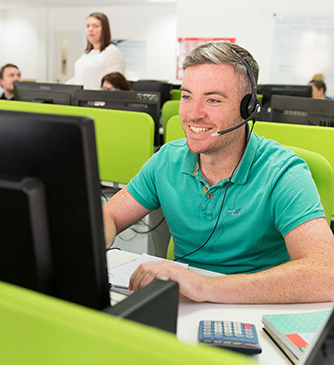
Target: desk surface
x: 190, y: 313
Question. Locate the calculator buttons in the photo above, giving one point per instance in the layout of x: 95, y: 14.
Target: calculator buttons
x: 236, y: 336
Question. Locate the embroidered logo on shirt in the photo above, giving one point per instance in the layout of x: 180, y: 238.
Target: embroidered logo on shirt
x: 235, y: 212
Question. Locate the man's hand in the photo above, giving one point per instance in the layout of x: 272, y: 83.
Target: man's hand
x: 191, y: 285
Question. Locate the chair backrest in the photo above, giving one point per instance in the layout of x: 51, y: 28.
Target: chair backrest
x: 323, y: 176
x: 312, y: 138
x: 124, y: 139
x: 174, y: 129
x: 37, y: 329
x: 169, y: 109
x: 176, y: 94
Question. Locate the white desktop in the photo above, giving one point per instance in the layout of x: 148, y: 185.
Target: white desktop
x: 190, y: 313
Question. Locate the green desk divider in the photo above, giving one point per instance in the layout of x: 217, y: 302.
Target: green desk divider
x: 37, y: 329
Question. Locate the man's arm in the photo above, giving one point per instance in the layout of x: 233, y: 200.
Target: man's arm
x: 119, y: 213
x: 309, y: 277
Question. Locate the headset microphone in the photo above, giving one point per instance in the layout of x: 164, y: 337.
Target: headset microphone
x: 256, y: 112
x: 250, y: 106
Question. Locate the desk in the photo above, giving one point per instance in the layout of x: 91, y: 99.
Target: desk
x: 190, y: 313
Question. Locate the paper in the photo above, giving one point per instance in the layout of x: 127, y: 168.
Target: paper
x: 120, y: 275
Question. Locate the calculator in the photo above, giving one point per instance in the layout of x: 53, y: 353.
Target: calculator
x: 236, y: 336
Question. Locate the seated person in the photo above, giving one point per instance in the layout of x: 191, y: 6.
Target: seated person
x: 235, y: 203
x: 8, y: 74
x: 318, y: 89
x: 115, y: 81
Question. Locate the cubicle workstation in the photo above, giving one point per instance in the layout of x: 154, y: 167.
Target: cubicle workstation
x: 71, y: 321
x: 123, y: 138
x: 148, y: 102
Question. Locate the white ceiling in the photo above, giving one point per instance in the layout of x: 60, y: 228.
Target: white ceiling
x: 55, y: 3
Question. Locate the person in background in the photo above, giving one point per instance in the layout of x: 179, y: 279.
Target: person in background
x: 101, y: 55
x: 234, y: 202
x: 115, y: 81
x: 319, y: 89
x: 8, y: 74
x: 318, y: 77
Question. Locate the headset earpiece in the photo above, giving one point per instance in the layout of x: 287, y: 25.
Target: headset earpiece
x: 244, y: 106
x: 250, y: 104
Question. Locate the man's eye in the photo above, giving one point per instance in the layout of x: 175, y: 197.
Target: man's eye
x: 213, y: 101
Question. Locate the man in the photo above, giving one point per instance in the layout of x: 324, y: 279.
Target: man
x: 319, y: 89
x: 248, y: 209
x: 8, y: 74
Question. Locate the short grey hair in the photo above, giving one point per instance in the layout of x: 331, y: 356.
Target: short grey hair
x: 218, y: 53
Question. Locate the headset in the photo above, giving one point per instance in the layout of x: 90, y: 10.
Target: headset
x: 250, y: 106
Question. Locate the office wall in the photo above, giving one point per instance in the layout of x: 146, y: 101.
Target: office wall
x: 250, y: 22
x: 29, y: 35
x: 23, y: 40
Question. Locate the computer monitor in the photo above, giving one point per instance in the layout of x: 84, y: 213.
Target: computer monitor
x: 51, y: 159
x: 138, y: 101
x: 46, y: 92
x: 164, y: 88
x: 269, y: 90
x: 51, y: 227
x: 298, y: 110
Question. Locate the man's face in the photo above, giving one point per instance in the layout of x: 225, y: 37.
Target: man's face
x: 10, y: 74
x: 210, y: 102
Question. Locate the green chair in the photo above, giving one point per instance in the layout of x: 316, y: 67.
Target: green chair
x: 169, y: 109
x: 37, y: 329
x: 311, y: 138
x: 322, y: 174
x: 176, y: 94
x: 124, y: 139
x: 174, y: 129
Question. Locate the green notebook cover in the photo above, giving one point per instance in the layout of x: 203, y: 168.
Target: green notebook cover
x: 294, y: 332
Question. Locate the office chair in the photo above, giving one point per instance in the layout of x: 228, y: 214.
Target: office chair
x: 313, y: 138
x: 169, y: 109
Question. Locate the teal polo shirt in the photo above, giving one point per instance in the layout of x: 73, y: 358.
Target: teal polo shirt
x: 271, y: 193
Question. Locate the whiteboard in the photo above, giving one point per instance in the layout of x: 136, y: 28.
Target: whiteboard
x: 302, y: 47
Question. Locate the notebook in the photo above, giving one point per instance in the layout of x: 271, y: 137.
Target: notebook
x: 293, y: 333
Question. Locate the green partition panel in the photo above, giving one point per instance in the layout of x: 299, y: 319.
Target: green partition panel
x: 37, y: 329
x: 312, y: 138
x: 124, y: 139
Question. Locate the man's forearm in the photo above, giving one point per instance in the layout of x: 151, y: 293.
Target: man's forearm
x: 294, y: 282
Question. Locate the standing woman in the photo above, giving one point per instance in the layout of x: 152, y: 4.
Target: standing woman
x: 101, y: 56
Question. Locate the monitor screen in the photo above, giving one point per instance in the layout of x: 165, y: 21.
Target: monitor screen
x: 299, y: 110
x: 138, y: 101
x: 57, y: 155
x: 46, y: 92
x: 269, y: 90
